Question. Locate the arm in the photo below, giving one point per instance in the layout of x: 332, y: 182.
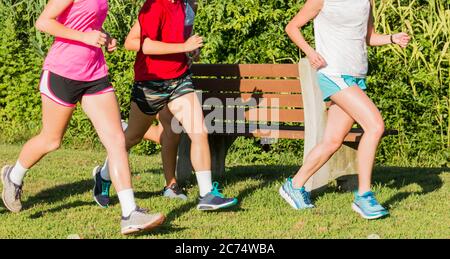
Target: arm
x: 153, y: 47
x: 374, y: 39
x: 133, y: 40
x: 306, y: 14
x: 47, y: 23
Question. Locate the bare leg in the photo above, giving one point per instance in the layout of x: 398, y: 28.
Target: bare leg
x: 359, y: 106
x: 138, y: 125
x: 188, y: 111
x: 338, y: 125
x: 169, y: 142
x: 355, y: 103
x: 55, y: 119
x: 103, y: 111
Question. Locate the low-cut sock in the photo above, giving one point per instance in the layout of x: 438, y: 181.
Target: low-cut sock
x: 204, y: 182
x: 104, y: 172
x: 127, y: 202
x: 18, y: 173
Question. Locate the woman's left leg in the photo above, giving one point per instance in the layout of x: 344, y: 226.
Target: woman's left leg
x: 103, y: 111
x: 359, y: 106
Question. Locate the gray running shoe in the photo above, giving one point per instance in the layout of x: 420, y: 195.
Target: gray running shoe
x: 140, y: 221
x: 215, y: 200
x: 174, y: 192
x: 12, y: 193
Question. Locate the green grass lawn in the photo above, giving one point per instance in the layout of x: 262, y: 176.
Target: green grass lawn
x: 58, y: 203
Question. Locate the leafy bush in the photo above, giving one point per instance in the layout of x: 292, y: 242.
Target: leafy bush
x: 411, y: 87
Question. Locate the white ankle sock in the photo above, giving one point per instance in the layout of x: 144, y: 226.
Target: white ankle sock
x: 104, y: 172
x: 127, y: 202
x: 18, y: 173
x: 204, y: 182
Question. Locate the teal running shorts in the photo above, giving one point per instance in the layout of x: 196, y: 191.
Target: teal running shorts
x: 331, y: 85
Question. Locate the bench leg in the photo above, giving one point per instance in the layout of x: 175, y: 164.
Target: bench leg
x: 343, y: 167
x: 184, y: 166
x: 219, y: 146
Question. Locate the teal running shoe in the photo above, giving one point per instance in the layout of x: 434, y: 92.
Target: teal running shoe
x: 298, y: 198
x: 101, y: 188
x: 368, y: 207
x: 215, y: 200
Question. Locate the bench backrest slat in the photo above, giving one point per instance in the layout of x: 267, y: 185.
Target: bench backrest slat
x: 253, y: 93
x: 248, y: 85
x: 257, y: 115
x: 246, y: 70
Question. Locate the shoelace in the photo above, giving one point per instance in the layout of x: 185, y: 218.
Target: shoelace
x: 371, y: 199
x: 215, y: 191
x: 18, y: 191
x: 306, y: 197
x: 105, y: 188
x: 141, y: 210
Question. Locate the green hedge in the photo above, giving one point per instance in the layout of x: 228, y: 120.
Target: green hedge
x: 410, y: 87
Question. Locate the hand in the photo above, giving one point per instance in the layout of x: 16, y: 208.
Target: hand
x: 402, y: 39
x: 316, y: 60
x: 193, y: 43
x: 111, y: 44
x: 94, y: 38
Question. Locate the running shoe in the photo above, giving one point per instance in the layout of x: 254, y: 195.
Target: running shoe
x: 101, y: 188
x: 141, y: 221
x: 215, y: 200
x: 174, y: 192
x: 298, y: 198
x: 368, y: 207
x: 12, y: 193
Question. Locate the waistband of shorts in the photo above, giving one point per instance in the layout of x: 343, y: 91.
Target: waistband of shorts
x: 184, y: 75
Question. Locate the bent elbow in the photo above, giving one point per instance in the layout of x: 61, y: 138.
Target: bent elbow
x: 39, y: 25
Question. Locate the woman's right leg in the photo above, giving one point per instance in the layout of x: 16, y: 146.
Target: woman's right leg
x: 338, y: 125
x: 169, y: 145
x: 103, y: 111
x: 55, y: 119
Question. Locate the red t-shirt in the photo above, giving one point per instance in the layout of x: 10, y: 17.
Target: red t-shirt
x: 161, y: 20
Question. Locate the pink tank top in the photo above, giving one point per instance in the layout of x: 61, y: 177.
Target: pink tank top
x: 73, y: 59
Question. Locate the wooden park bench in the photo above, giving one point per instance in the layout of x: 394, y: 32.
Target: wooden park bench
x: 267, y: 101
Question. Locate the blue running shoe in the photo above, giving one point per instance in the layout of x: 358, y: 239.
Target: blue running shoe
x: 101, y: 188
x: 214, y: 200
x: 368, y: 207
x: 299, y: 199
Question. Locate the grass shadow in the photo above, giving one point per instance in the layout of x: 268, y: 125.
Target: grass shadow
x: 399, y: 177
x: 67, y: 206
x: 60, y: 193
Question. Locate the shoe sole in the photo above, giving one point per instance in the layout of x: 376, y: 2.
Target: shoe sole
x: 360, y: 212
x: 287, y: 198
x: 144, y: 228
x: 3, y: 175
x: 94, y: 173
x: 216, y: 207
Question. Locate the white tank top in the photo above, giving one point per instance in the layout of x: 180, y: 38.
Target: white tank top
x: 340, y: 31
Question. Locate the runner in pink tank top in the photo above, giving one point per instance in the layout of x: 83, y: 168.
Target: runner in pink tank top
x: 75, y: 71
x: 73, y: 59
